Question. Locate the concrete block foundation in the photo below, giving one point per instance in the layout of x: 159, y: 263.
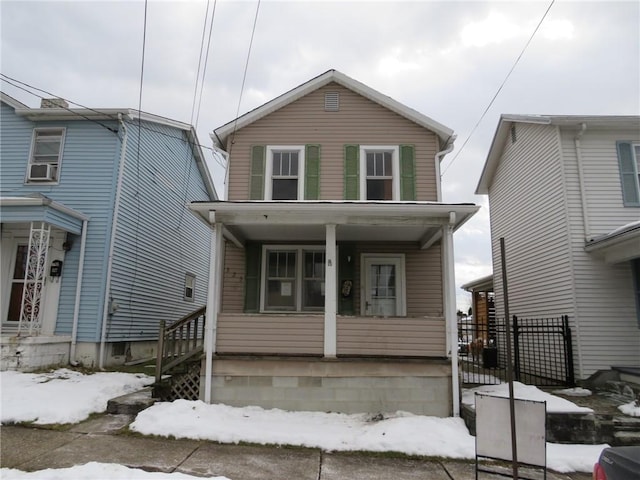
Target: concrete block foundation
x: 338, y: 385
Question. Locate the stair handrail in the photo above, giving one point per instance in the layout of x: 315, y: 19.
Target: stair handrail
x: 180, y: 341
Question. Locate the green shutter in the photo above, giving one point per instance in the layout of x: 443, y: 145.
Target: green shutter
x: 312, y: 172
x: 346, y: 273
x: 351, y: 172
x: 628, y: 175
x: 253, y: 264
x: 407, y: 172
x: 256, y: 189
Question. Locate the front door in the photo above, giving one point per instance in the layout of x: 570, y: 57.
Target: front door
x: 383, y: 286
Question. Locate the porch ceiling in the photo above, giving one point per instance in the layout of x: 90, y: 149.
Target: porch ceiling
x: 356, y: 221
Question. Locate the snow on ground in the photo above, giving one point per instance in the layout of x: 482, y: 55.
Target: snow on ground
x: 400, y: 432
x: 62, y: 396
x: 632, y: 409
x: 574, y: 392
x: 95, y: 470
x: 66, y: 396
x: 524, y: 392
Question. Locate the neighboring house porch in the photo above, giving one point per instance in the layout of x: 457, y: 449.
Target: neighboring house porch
x: 37, y: 234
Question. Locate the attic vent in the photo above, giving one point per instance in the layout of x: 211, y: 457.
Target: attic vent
x: 53, y: 103
x: 513, y: 134
x: 331, y: 101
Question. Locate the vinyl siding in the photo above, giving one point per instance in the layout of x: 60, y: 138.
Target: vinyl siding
x: 158, y: 240
x: 359, y: 121
x: 407, y: 337
x: 605, y: 306
x: 528, y: 210
x: 86, y: 184
x: 270, y: 334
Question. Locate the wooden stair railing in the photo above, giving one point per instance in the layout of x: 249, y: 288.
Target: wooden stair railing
x: 180, y: 341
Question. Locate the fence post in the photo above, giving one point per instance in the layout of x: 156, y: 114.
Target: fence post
x: 160, y: 352
x: 516, y: 348
x: 568, y: 345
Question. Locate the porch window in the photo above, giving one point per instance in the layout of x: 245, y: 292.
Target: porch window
x: 379, y: 172
x: 46, y: 153
x: 285, y: 173
x: 293, y: 279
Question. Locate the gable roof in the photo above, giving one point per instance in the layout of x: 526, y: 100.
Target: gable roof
x: 42, y: 114
x: 220, y: 134
x: 507, y: 120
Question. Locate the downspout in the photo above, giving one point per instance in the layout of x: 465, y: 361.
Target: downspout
x: 587, y: 231
x: 583, y: 196
x: 114, y: 225
x: 76, y: 308
x: 450, y: 311
x: 438, y: 159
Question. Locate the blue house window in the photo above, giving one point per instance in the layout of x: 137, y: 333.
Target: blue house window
x: 46, y: 155
x: 189, y: 287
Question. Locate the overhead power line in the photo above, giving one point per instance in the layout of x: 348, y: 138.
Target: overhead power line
x: 244, y: 76
x: 25, y: 87
x: 499, y: 89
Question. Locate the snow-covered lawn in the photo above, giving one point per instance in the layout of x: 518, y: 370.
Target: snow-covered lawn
x: 66, y: 396
x: 62, y: 396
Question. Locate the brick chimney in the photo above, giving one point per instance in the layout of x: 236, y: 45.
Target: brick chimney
x: 54, y: 103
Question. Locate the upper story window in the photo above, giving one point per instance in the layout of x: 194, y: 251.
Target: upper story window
x: 284, y: 179
x: 379, y: 173
x: 629, y: 161
x: 46, y: 155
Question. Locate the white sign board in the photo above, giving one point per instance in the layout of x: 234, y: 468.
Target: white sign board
x: 493, y: 429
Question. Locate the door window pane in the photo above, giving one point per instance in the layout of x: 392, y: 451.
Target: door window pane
x: 17, y: 285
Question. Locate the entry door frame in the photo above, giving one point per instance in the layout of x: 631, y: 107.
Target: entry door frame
x: 396, y: 259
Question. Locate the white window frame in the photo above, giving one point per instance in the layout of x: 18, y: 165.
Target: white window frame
x: 395, y: 162
x: 401, y: 281
x: 300, y: 249
x: 189, y: 278
x: 268, y: 183
x: 57, y: 164
x: 635, y: 152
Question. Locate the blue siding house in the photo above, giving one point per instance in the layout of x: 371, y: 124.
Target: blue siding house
x: 98, y: 245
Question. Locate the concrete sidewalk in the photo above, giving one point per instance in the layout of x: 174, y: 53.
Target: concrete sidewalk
x: 101, y: 440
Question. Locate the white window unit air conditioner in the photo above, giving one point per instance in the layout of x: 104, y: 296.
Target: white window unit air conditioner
x: 43, y: 172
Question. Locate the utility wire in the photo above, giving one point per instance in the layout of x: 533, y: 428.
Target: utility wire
x: 500, y: 88
x: 244, y: 77
x: 195, y: 90
x: 206, y: 61
x: 10, y: 81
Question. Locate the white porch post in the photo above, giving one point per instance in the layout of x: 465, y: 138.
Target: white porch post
x: 450, y: 309
x: 330, y: 293
x: 213, y: 303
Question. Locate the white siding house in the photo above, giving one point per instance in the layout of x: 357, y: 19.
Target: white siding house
x: 564, y: 193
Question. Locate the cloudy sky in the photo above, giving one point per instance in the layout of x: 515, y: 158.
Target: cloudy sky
x: 445, y: 59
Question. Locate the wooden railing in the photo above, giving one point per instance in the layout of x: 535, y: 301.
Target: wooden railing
x: 180, y: 341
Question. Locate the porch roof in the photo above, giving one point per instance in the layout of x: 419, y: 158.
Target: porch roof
x: 419, y: 222
x: 41, y: 209
x: 620, y: 245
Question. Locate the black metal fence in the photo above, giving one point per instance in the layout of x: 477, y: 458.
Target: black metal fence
x: 542, y: 351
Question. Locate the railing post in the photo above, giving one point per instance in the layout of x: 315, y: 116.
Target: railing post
x: 568, y: 343
x: 516, y: 348
x: 160, y: 351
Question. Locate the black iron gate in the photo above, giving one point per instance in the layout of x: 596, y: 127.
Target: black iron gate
x: 542, y: 351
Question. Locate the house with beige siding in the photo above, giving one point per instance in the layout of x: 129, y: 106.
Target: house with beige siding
x: 334, y: 263
x: 564, y: 193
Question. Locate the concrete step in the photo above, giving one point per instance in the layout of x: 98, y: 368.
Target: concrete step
x: 626, y: 438
x: 131, y: 403
x: 627, y: 424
